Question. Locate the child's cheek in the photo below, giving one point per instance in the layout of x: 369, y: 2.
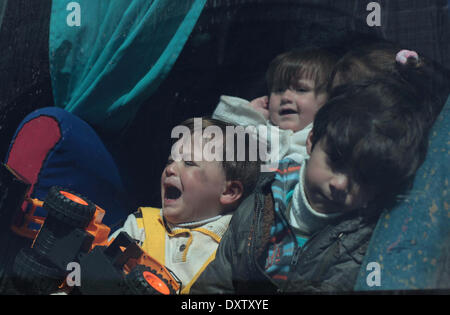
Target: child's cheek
x: 273, y: 111
x: 198, y: 176
x: 315, y: 172
x: 274, y: 102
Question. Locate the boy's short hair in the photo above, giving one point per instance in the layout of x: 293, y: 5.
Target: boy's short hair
x: 246, y: 171
x: 372, y: 131
x: 312, y: 63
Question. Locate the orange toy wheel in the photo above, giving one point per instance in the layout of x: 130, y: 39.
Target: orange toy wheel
x: 143, y: 280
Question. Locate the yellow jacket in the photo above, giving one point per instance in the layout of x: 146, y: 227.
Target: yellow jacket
x: 185, y: 249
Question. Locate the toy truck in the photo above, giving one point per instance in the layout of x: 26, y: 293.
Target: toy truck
x: 73, y: 233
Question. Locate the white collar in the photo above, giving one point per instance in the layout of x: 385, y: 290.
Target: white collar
x: 217, y: 224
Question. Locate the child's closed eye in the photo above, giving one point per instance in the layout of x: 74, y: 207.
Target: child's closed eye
x: 190, y: 163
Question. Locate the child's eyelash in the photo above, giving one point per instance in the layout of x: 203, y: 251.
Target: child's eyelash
x: 189, y: 163
x: 301, y: 88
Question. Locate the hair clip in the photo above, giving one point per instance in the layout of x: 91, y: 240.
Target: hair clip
x: 403, y: 55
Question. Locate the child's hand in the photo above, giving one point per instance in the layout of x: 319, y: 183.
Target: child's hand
x: 261, y: 104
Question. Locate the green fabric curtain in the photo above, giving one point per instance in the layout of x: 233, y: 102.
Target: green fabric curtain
x: 103, y: 69
x: 3, y: 4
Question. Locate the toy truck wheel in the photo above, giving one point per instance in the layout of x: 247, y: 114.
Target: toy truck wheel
x: 32, y: 276
x: 44, y: 242
x: 69, y: 207
x: 143, y: 280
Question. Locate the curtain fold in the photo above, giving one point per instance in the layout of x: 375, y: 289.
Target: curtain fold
x: 104, y: 69
x: 3, y: 4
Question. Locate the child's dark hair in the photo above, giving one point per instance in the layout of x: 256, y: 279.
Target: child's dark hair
x: 245, y: 170
x: 371, y: 131
x: 378, y: 61
x: 312, y: 63
x: 365, y: 62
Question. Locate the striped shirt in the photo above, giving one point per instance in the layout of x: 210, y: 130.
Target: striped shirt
x: 283, y: 241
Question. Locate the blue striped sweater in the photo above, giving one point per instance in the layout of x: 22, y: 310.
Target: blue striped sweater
x: 283, y: 242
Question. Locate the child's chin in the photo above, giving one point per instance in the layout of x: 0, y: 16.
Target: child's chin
x: 290, y: 125
x: 171, y: 214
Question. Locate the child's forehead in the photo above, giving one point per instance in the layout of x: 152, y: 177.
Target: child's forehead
x: 304, y: 81
x: 307, y: 72
x: 296, y: 75
x: 197, y: 147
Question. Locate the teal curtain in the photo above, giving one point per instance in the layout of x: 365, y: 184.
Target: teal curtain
x: 105, y: 68
x: 3, y: 4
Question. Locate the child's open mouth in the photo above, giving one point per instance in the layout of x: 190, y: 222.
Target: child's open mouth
x: 287, y: 111
x: 172, y: 193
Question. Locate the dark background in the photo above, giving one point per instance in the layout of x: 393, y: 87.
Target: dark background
x: 227, y: 53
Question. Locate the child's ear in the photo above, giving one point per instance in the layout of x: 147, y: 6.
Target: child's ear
x: 309, y: 143
x: 232, y: 193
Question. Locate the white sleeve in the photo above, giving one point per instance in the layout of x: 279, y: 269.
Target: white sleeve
x: 237, y: 111
x: 296, y: 149
x: 130, y: 226
x: 286, y: 142
x: 289, y: 144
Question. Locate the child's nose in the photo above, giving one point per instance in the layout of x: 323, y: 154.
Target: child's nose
x: 171, y: 169
x: 339, y: 187
x: 287, y: 95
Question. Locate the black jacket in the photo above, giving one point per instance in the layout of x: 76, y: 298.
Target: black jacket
x: 328, y: 262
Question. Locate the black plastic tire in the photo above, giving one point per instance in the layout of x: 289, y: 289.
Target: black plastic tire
x: 33, y: 276
x: 137, y: 284
x: 68, y: 211
x: 45, y: 241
